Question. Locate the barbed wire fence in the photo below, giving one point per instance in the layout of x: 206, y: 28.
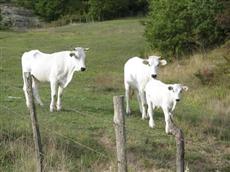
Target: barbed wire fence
x: 88, y: 114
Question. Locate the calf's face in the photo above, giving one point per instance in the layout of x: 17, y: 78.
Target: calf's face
x: 153, y: 62
x: 79, y: 57
x: 176, y: 90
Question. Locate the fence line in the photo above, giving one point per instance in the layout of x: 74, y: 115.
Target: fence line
x: 59, y: 134
x: 90, y: 114
x: 180, y: 148
x: 94, y: 116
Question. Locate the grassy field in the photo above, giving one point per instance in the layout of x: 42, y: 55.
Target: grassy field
x: 81, y: 137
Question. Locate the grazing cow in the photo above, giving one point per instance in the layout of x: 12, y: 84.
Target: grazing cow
x: 162, y: 95
x: 57, y: 68
x: 137, y: 72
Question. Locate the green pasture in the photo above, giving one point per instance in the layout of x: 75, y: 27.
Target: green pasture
x: 81, y: 137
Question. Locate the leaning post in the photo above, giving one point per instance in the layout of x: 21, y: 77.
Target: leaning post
x: 179, y: 137
x: 119, y: 125
x: 35, y: 126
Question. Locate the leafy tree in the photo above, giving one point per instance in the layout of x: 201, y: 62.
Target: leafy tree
x: 137, y: 7
x: 26, y: 3
x: 177, y: 27
x: 107, y: 9
x: 50, y: 9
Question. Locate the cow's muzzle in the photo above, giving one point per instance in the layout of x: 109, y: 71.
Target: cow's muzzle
x: 154, y: 76
x: 83, y: 69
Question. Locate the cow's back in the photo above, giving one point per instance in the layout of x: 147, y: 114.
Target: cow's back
x: 38, y: 63
x: 135, y: 72
x: 157, y: 91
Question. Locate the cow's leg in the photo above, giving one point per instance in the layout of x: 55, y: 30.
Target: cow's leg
x: 151, y: 114
x: 139, y: 101
x: 25, y: 89
x: 35, y: 92
x: 53, y: 86
x: 60, y: 92
x: 127, y: 98
x: 143, y: 105
x: 167, y: 118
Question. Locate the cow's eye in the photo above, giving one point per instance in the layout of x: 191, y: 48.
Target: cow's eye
x: 72, y: 54
x: 170, y: 88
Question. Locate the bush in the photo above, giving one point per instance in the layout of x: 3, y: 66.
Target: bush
x: 107, y: 9
x: 26, y: 3
x: 178, y: 27
x: 50, y: 10
x: 86, y: 10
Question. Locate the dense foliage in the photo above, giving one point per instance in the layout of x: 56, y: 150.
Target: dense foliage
x: 177, y: 27
x: 86, y: 9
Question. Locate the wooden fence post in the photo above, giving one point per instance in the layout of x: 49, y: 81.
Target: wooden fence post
x: 119, y: 125
x: 35, y: 126
x: 179, y: 136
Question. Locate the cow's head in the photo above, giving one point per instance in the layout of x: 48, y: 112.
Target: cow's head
x: 176, y: 90
x: 79, y: 58
x: 153, y: 62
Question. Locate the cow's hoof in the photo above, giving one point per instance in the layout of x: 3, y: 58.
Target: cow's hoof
x: 167, y: 131
x: 128, y: 113
x: 151, y: 124
x: 59, y: 109
x: 51, y: 109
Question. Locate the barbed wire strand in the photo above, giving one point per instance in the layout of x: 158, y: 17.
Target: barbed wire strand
x: 94, y: 116
x: 59, y: 134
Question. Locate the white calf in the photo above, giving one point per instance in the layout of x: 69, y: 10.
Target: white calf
x: 162, y: 95
x: 56, y: 68
x: 137, y: 72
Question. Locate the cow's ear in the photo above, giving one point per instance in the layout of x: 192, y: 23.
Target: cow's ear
x: 163, y: 62
x: 146, y: 62
x: 86, y: 49
x: 170, y: 87
x: 185, y: 88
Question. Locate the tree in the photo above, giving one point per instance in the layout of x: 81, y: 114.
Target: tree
x: 177, y: 27
x: 107, y: 9
x: 98, y: 10
x: 50, y: 10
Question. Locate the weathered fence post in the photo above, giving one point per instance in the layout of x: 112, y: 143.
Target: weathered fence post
x: 119, y: 125
x: 179, y: 136
x: 35, y: 126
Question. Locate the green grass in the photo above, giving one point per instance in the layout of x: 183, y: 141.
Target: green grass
x: 81, y: 137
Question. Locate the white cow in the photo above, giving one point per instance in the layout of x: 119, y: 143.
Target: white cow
x: 137, y: 72
x: 57, y: 68
x: 162, y: 95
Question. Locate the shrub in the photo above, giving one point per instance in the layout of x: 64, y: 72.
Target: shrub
x: 182, y: 26
x: 107, y: 9
x: 52, y: 10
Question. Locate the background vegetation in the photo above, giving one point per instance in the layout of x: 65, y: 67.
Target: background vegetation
x: 81, y: 137
x: 174, y: 28
x: 181, y: 27
x: 85, y: 10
